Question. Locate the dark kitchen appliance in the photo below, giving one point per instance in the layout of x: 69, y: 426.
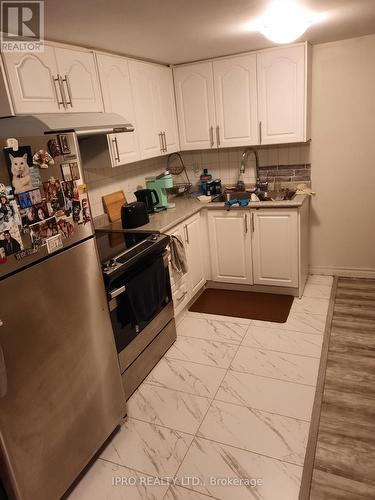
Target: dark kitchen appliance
x: 134, y: 215
x: 146, y: 196
x: 136, y: 277
x: 61, y: 394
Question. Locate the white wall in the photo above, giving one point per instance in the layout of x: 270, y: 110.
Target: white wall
x: 343, y: 157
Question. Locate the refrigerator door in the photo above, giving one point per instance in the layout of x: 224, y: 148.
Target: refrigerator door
x: 61, y: 390
x: 57, y: 204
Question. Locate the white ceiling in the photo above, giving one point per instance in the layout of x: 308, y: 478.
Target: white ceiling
x: 176, y: 31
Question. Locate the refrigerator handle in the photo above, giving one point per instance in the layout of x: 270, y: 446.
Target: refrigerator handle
x: 3, y: 375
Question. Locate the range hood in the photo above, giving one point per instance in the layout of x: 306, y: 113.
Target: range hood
x: 84, y: 124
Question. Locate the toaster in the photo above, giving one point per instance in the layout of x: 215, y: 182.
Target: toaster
x: 134, y: 215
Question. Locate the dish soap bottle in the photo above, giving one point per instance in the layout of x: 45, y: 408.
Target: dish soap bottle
x: 205, y: 178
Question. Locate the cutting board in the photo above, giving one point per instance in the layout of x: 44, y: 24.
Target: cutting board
x: 112, y: 205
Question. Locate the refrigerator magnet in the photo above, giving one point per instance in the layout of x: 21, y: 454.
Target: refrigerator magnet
x: 3, y: 257
x: 64, y: 145
x: 19, y: 165
x: 42, y: 159
x: 54, y: 243
x: 74, y: 169
x: 54, y: 148
x: 66, y: 227
x: 86, y: 210
x: 41, y: 231
x: 76, y: 205
x: 29, y: 198
x: 66, y: 172
x: 11, y: 241
x: 25, y: 253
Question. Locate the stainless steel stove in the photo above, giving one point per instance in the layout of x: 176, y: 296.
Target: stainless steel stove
x: 136, y: 277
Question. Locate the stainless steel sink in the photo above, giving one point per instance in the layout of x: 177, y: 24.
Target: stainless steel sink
x: 233, y: 195
x: 244, y: 195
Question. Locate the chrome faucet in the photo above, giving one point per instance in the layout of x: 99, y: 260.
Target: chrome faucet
x: 244, y: 156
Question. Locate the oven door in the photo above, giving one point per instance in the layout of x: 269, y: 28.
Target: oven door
x: 125, y: 328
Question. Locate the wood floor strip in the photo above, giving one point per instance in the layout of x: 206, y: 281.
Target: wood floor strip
x: 344, y: 464
x: 315, y: 416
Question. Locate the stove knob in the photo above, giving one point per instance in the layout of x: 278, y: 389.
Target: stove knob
x: 105, y: 267
x: 112, y: 263
x: 154, y: 237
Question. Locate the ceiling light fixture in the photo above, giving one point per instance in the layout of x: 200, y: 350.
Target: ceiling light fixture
x: 284, y: 21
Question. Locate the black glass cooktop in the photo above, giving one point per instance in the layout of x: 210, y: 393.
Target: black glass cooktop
x: 113, y: 244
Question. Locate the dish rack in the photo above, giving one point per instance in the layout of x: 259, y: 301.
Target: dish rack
x: 179, y: 188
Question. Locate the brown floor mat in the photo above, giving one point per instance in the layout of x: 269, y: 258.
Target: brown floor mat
x: 250, y: 305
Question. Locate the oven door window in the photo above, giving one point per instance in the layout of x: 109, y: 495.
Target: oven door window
x: 139, y: 297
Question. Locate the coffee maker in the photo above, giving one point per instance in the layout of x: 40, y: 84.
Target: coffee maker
x: 161, y: 184
x: 149, y: 197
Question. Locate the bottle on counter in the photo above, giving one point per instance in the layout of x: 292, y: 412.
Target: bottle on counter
x: 205, y: 178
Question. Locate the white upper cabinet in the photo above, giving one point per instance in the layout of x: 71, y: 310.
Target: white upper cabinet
x: 117, y: 97
x: 230, y: 246
x: 33, y: 81
x: 56, y: 80
x: 168, y: 118
x: 275, y: 247
x: 152, y: 91
x: 282, y: 94
x: 195, y: 101
x: 236, y: 101
x: 79, y: 79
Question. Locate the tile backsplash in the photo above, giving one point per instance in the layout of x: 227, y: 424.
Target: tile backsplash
x: 289, y: 163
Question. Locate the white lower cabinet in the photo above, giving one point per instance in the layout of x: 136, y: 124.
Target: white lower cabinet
x: 194, y: 253
x: 185, y: 286
x: 230, y: 246
x: 275, y: 247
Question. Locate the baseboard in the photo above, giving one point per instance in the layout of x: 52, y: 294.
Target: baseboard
x: 349, y: 272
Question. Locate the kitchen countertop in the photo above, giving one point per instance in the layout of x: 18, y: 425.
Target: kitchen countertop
x: 185, y: 207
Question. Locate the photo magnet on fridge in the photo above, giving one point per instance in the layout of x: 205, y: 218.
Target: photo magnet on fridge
x: 10, y: 241
x: 41, y: 231
x: 29, y: 198
x: 64, y: 145
x: 66, y: 172
x: 19, y: 165
x: 76, y: 210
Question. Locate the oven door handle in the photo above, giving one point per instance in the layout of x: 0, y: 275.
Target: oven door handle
x: 116, y: 292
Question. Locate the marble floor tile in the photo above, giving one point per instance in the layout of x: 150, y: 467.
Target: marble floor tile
x: 180, y: 493
x: 319, y: 279
x: 265, y: 433
x: 310, y: 305
x: 218, y: 317
x: 203, y: 328
x: 279, y: 365
x: 174, y: 409
x: 262, y: 393
x: 283, y: 341
x: 194, y: 378
x: 207, y: 352
x: 208, y: 460
x: 148, y: 448
x: 97, y: 484
x: 298, y: 322
x: 317, y: 291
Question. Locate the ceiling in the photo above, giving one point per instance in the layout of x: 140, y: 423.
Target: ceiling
x: 176, y: 31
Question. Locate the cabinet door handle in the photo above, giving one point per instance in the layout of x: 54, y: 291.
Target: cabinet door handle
x: 260, y: 132
x: 182, y: 296
x: 212, y: 136
x: 165, y: 142
x: 245, y: 220
x: 252, y: 222
x: 186, y: 234
x: 117, y: 154
x: 56, y: 79
x: 161, y: 142
x: 218, y: 135
x: 3, y: 375
x: 68, y: 89
x: 63, y: 96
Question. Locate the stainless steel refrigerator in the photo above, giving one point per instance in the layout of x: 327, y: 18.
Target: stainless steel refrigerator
x: 60, y: 388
